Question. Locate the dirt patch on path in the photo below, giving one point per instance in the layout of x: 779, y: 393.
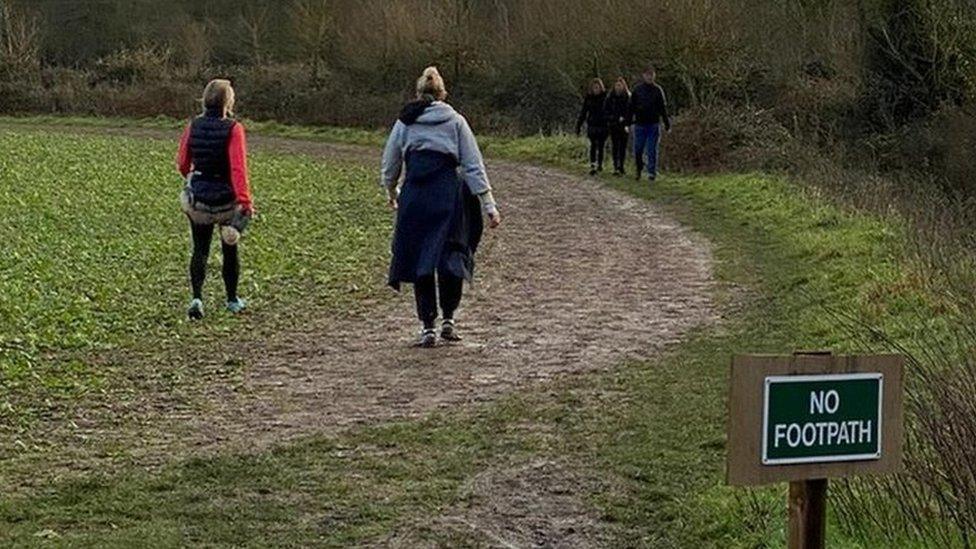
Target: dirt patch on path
x: 579, y: 278
x: 533, y: 504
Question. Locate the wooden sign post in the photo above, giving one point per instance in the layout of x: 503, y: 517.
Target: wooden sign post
x: 809, y: 417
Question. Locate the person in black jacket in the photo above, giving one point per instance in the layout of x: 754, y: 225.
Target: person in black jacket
x: 649, y: 107
x: 618, y: 113
x: 597, y: 129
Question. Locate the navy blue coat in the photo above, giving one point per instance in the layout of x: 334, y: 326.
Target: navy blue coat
x: 439, y: 222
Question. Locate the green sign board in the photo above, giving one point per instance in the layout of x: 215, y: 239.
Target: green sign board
x: 822, y: 418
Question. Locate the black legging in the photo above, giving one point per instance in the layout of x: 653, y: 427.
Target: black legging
x: 425, y: 291
x: 618, y: 145
x: 202, y: 237
x: 598, y: 145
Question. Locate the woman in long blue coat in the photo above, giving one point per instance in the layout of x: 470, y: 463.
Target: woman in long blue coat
x: 439, y: 205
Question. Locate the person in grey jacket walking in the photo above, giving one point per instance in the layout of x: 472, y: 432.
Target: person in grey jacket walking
x: 439, y: 204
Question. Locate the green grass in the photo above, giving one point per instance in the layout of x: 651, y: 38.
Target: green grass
x: 95, y: 255
x: 352, y: 136
x: 543, y: 149
x: 653, y: 431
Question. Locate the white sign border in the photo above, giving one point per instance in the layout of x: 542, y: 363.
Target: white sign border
x: 812, y: 378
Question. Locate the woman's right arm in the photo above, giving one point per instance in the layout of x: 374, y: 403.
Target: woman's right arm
x: 393, y: 159
x: 239, y: 178
x: 184, y: 161
x: 473, y: 171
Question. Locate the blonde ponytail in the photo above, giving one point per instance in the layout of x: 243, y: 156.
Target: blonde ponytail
x: 431, y: 84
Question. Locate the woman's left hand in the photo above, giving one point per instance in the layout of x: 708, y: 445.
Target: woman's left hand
x: 494, y: 219
x: 393, y: 204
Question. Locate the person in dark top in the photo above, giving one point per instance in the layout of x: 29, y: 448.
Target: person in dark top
x: 597, y: 127
x: 618, y: 113
x: 649, y: 108
x: 212, y: 160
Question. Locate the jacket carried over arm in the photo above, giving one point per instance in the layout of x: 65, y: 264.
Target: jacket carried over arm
x: 437, y: 127
x: 237, y: 156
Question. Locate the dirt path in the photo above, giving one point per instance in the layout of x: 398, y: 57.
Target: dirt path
x: 579, y: 278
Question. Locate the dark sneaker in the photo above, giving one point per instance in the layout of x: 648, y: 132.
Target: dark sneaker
x: 592, y: 171
x: 427, y: 339
x: 449, y: 331
x: 195, y: 312
x: 236, y: 306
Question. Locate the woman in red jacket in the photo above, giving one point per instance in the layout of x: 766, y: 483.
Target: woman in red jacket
x: 213, y: 160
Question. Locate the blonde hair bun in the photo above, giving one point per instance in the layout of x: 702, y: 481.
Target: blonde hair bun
x: 431, y: 83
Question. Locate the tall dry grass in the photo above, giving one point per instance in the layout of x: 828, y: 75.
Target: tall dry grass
x: 933, y: 323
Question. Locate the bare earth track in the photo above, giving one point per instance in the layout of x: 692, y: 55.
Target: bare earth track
x: 579, y: 278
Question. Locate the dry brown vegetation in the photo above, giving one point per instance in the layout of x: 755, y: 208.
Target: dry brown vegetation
x: 755, y: 82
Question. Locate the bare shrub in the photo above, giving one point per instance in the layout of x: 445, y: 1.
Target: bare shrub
x: 727, y: 136
x: 195, y: 48
x: 539, y: 94
x: 921, y: 56
x: 128, y: 67
x: 254, y: 24
x: 944, y: 144
x: 20, y: 35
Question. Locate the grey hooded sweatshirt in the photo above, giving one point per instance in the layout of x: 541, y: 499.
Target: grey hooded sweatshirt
x: 441, y: 129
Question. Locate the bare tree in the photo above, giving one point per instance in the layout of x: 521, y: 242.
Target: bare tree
x: 196, y: 45
x: 314, y: 29
x: 254, y: 20
x: 19, y: 37
x: 460, y: 47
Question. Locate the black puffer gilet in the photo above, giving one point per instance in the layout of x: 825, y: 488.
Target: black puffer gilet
x: 209, y: 134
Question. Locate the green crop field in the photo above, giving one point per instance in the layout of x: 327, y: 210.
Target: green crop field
x: 95, y: 254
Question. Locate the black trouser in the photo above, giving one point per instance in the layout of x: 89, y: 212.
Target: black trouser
x: 618, y: 145
x: 598, y: 145
x: 425, y: 291
x: 202, y: 237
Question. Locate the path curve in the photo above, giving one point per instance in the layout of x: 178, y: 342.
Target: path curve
x: 579, y: 278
